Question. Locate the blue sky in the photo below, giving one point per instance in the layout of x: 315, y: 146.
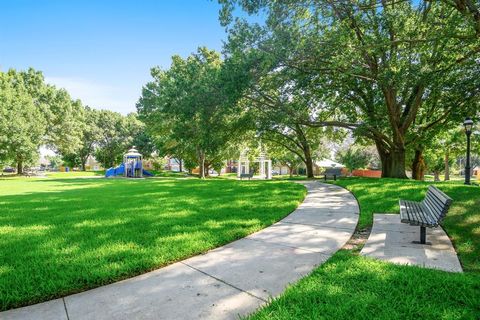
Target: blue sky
x: 101, y: 51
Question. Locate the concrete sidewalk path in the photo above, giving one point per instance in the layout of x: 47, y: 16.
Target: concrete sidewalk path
x: 391, y: 240
x: 226, y: 282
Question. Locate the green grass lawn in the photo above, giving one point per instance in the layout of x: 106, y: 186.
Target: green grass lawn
x: 59, y: 236
x: 355, y: 287
x: 75, y: 174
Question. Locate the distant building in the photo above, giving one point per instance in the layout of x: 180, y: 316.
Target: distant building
x: 92, y: 164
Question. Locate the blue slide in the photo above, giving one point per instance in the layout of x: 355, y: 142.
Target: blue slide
x: 147, y: 173
x: 120, y: 171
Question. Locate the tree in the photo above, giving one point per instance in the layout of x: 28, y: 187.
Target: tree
x: 22, y: 125
x: 91, y: 135
x: 116, y: 135
x: 353, y: 158
x: 281, y: 156
x: 470, y: 10
x: 48, y: 116
x: 190, y: 110
x: 398, y: 72
x: 62, y: 115
x: 55, y: 161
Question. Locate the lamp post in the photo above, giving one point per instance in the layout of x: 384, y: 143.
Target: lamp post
x: 468, y: 124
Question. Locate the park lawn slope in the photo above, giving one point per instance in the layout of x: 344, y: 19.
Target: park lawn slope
x: 60, y: 236
x: 356, y: 287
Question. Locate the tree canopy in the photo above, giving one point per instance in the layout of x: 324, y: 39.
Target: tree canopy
x: 393, y: 71
x: 188, y: 109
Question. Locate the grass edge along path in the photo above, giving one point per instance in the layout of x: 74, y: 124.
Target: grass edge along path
x: 62, y: 236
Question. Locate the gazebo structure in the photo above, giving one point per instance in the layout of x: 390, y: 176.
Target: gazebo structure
x: 265, y: 165
x: 133, y: 164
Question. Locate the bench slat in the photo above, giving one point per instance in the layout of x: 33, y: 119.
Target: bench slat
x: 437, y: 203
x: 436, y: 200
x: 434, y: 208
x: 415, y: 213
x: 439, y: 193
x: 411, y: 212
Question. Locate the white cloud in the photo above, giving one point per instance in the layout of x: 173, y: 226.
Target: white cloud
x: 98, y: 95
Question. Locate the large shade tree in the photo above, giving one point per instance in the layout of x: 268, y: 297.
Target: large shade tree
x: 22, y: 124
x: 398, y: 72
x: 34, y: 114
x: 190, y: 108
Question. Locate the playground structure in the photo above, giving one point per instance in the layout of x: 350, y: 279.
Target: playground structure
x: 132, y: 166
x: 265, y: 165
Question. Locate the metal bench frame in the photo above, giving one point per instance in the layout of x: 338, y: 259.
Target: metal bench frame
x: 246, y: 175
x: 427, y: 213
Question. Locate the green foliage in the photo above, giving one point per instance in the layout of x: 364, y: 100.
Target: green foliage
x: 77, y: 234
x: 188, y: 110
x: 116, y: 136
x: 22, y: 124
x: 353, y: 158
x: 396, y: 73
x: 55, y: 161
x: 35, y: 113
x: 158, y: 163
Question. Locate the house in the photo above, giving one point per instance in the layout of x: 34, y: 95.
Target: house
x: 92, y: 164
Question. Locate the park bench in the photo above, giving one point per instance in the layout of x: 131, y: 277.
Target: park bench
x: 28, y: 173
x: 246, y: 175
x: 427, y: 213
x: 332, y: 173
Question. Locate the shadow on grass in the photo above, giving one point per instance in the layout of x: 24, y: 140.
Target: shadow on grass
x: 67, y: 235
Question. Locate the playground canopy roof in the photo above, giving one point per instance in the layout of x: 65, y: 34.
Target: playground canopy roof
x: 132, y: 153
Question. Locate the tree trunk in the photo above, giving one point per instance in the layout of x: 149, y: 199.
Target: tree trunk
x: 201, y: 163
x: 447, y: 167
x: 84, y: 164
x: 418, y: 166
x: 180, y: 163
x: 290, y: 171
x: 308, y: 162
x: 436, y: 176
x: 20, y: 166
x: 207, y: 169
x: 306, y: 150
x: 393, y: 163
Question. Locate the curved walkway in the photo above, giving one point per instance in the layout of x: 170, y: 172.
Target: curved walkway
x: 226, y: 282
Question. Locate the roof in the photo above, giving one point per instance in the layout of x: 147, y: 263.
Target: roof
x: 133, y: 153
x: 327, y: 163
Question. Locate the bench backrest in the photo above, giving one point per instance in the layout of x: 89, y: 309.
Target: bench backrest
x: 333, y: 171
x: 437, y: 202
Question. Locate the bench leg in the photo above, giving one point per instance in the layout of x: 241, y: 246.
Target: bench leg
x: 423, y: 236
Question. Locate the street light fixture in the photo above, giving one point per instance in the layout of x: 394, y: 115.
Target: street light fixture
x: 468, y: 124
